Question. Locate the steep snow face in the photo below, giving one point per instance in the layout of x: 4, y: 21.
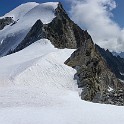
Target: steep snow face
x: 25, y: 16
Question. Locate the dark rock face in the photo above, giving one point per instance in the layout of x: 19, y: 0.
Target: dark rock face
x: 5, y: 21
x: 63, y: 32
x: 95, y: 74
x: 36, y: 33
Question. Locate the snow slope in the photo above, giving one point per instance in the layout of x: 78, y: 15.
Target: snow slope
x: 25, y: 16
x: 37, y: 88
x: 21, y: 10
x: 41, y: 68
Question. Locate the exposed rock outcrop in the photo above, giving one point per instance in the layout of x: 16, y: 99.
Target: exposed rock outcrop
x: 5, y: 21
x: 36, y: 33
x: 63, y: 32
x: 97, y: 81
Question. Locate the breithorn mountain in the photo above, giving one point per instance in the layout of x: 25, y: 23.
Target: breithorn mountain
x: 48, y: 62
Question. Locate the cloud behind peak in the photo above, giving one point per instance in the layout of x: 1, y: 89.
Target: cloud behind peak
x: 96, y: 17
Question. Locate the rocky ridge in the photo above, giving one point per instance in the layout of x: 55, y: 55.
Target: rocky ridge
x: 98, y: 82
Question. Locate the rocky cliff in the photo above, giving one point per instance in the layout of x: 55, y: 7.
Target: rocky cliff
x: 98, y: 82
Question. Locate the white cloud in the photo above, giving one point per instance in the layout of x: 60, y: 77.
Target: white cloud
x: 95, y: 16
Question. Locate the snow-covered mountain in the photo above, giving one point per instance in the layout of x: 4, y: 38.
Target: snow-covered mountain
x: 36, y: 87
x: 24, y: 18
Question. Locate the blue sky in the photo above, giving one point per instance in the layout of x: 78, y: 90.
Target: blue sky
x: 118, y: 12
x: 7, y: 5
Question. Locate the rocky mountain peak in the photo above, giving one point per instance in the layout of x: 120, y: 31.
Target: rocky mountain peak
x: 60, y: 11
x: 62, y: 32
